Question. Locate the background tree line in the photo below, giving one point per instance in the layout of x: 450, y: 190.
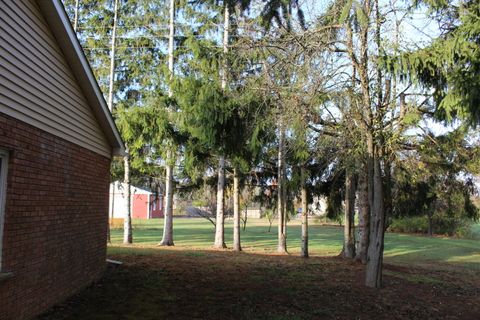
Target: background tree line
x: 341, y: 103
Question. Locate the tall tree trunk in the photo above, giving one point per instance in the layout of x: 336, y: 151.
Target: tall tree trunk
x: 167, y: 238
x: 377, y: 232
x: 304, y: 252
x: 112, y: 57
x: 219, y: 227
x: 127, y: 222
x: 282, y: 237
x: 127, y: 225
x: 75, y: 18
x: 112, y: 73
x: 285, y: 198
x: 226, y: 30
x: 236, y: 211
x: 378, y: 24
x: 349, y: 235
x: 219, y: 222
x: 110, y: 219
x: 363, y: 217
x: 377, y: 220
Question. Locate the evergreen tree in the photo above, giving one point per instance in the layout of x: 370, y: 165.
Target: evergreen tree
x: 451, y: 63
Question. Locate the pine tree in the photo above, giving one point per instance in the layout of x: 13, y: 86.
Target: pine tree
x: 451, y: 63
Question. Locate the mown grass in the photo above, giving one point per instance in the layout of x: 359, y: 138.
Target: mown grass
x: 198, y: 234
x: 424, y: 278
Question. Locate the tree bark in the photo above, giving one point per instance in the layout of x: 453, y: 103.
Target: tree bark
x: 377, y: 232
x: 282, y: 238
x: 112, y: 71
x: 349, y: 235
x: 127, y: 222
x: 171, y: 44
x: 110, y: 218
x: 167, y: 238
x: 304, y: 249
x: 236, y: 211
x: 377, y: 220
x: 219, y: 222
x: 219, y: 226
x: 112, y: 57
x: 75, y: 18
x: 226, y: 27
x: 363, y: 218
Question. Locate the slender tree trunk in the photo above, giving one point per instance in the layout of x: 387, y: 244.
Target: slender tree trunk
x: 220, y: 220
x: 363, y: 218
x: 349, y: 233
x: 167, y: 238
x: 112, y: 72
x: 219, y: 227
x: 304, y: 252
x: 112, y: 57
x: 236, y: 211
x: 282, y: 238
x: 75, y: 18
x: 127, y: 223
x: 377, y: 232
x: 377, y: 220
x: 226, y: 30
x: 110, y: 219
x: 285, y: 199
x: 378, y: 24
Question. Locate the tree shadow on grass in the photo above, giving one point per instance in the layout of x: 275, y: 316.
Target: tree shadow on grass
x: 175, y: 283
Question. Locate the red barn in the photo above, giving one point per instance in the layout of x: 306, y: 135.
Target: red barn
x: 57, y: 139
x: 145, y: 204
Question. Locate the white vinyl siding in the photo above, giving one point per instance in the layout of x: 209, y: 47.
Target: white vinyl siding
x: 36, y: 84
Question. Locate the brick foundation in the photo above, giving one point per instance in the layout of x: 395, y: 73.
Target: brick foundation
x: 56, y: 214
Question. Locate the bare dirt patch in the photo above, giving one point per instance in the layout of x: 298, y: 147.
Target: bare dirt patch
x: 176, y: 284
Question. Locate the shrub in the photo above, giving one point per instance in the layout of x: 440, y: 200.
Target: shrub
x: 441, y: 223
x: 409, y: 225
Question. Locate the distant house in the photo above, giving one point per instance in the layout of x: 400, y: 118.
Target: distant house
x: 57, y: 139
x: 144, y: 203
x: 254, y: 210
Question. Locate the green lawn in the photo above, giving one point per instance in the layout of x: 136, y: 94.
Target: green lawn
x: 424, y: 278
x: 197, y: 233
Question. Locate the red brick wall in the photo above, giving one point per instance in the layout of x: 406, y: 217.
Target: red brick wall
x: 55, y: 219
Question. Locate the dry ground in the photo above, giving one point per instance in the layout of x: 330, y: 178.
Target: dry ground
x: 174, y: 283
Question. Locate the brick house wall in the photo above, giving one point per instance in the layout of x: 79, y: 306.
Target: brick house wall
x: 55, y: 226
